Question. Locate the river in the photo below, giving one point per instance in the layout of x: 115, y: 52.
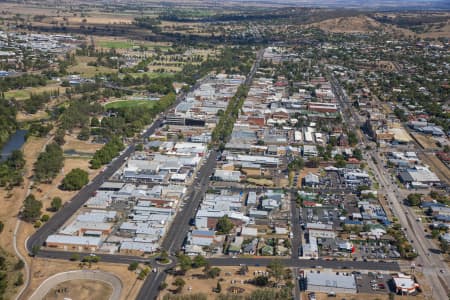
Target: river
x: 15, y: 142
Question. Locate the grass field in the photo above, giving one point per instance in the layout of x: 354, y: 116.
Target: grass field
x: 84, y: 70
x: 152, y: 75
x: 25, y: 93
x: 17, y: 94
x: 130, y: 103
x: 120, y: 44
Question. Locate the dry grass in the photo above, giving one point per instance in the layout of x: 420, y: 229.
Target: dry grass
x: 358, y: 24
x: 206, y: 286
x: 72, y: 143
x: 44, y: 268
x: 24, y: 117
x: 80, y: 289
x: 425, y: 141
x: 84, y: 70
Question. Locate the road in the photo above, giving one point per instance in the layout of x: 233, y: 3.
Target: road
x: 431, y: 261
x: 51, y: 226
x: 180, y: 226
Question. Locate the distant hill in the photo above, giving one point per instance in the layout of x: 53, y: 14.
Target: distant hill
x: 358, y: 4
x: 357, y: 24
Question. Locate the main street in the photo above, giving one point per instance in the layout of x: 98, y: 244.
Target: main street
x: 180, y: 226
x: 431, y: 260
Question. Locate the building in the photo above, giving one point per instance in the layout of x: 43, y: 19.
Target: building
x: 327, y: 282
x: 404, y: 284
x: 76, y: 243
x: 320, y: 230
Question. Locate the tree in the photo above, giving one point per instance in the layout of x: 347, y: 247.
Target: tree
x: 133, y: 266
x: 340, y: 163
x: 218, y: 287
x: 352, y: 138
x: 179, y: 283
x: 414, y: 199
x: 224, y: 225
x: 297, y: 164
x: 357, y: 153
x: 184, y: 262
x: 435, y: 233
x: 163, y: 256
x: 75, y: 257
x: 162, y: 286
x: 49, y: 163
x: 45, y: 218
x: 143, y: 273
x: 75, y: 180
x: 56, y: 203
x: 95, y: 122
x: 19, y: 265
x: 19, y: 280
x: 1, y: 226
x: 84, y: 134
x: 212, y: 272
x: 31, y: 208
x: 261, y: 281
x: 276, y: 269
x: 199, y: 261
x: 35, y: 249
x: 59, y: 136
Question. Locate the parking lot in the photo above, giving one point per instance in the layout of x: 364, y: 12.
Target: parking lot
x: 373, y: 283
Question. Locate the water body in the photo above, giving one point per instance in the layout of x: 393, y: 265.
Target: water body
x: 15, y: 142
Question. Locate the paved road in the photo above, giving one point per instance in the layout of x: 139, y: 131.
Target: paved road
x: 51, y: 226
x: 180, y: 226
x: 432, y: 261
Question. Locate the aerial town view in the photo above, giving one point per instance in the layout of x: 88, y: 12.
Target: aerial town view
x: 229, y: 150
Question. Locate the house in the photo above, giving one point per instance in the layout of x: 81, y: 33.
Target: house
x: 267, y: 250
x: 236, y: 245
x: 250, y: 248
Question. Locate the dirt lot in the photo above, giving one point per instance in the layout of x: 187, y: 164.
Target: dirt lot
x: 44, y: 268
x: 80, y: 289
x: 72, y: 143
x: 436, y: 165
x: 206, y: 286
x: 424, y: 141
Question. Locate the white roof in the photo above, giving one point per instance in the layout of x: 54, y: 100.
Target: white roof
x: 329, y: 279
x: 404, y: 281
x: 74, y: 240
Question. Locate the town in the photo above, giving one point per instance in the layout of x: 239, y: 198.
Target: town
x: 307, y: 162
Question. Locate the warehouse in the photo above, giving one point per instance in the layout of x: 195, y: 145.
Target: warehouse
x: 327, y: 282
